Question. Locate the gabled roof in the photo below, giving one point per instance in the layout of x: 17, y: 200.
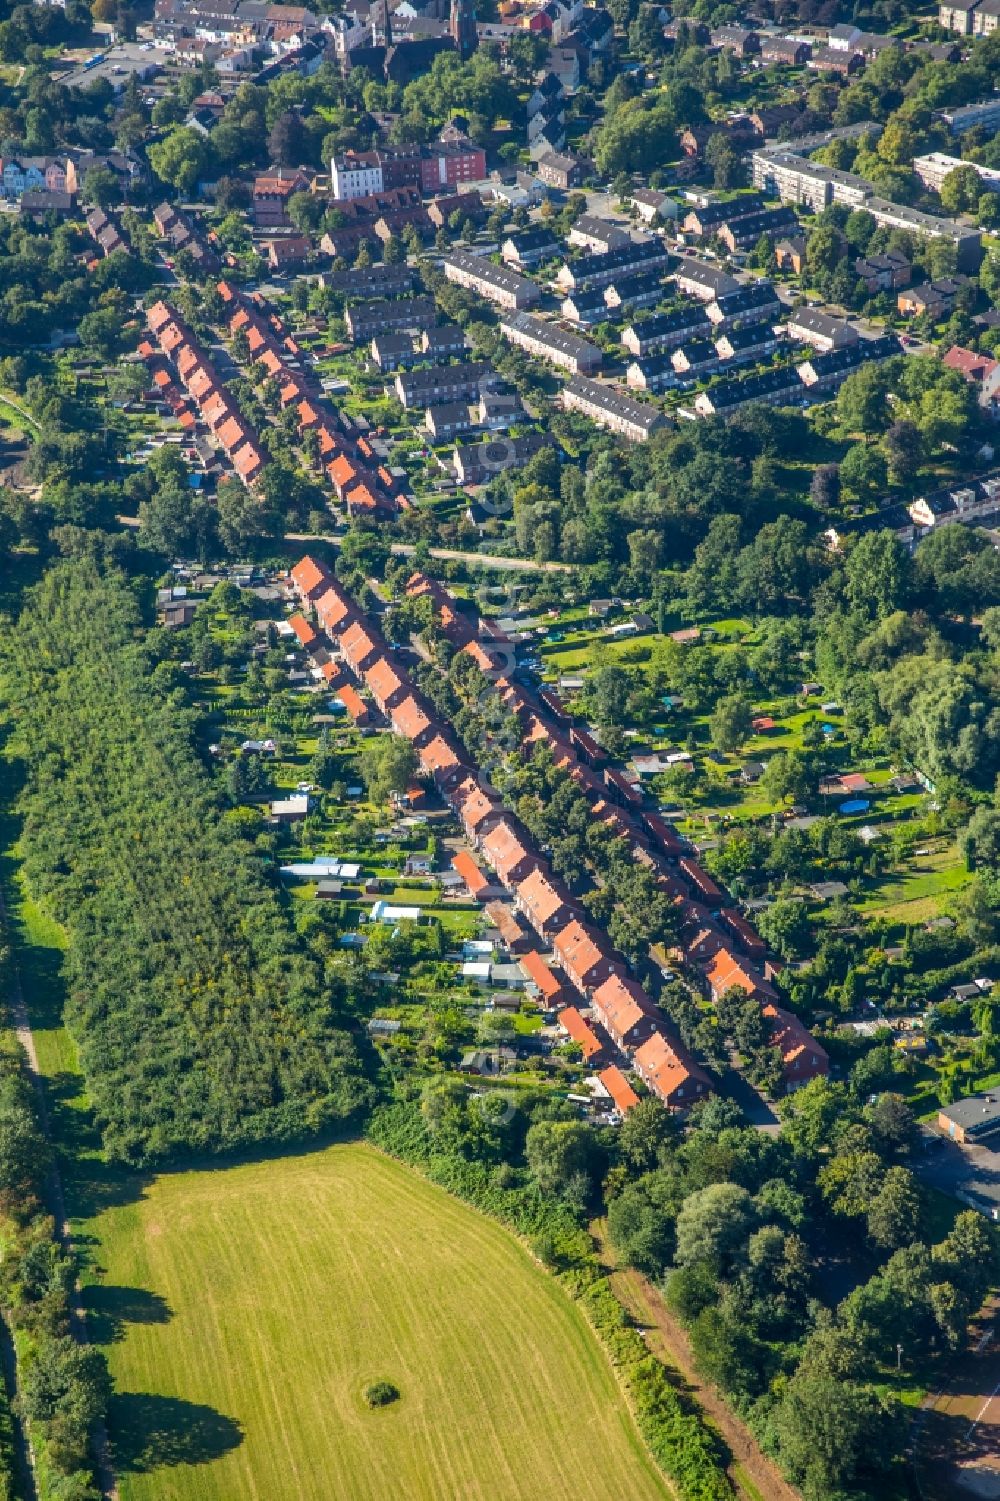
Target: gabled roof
x: 409, y: 719
x: 541, y: 974
x: 352, y: 702
x: 505, y: 920
x: 303, y: 630
x: 248, y: 461
x: 580, y: 1032
x: 475, y: 807
x: 505, y: 848
x: 667, y: 1069
x: 578, y: 949
x: 310, y: 577
x: 726, y: 972
x: 794, y: 1040
x: 384, y: 680
x: 622, y: 1094
x: 622, y: 1005
x: 359, y: 644
x: 231, y: 434
x: 439, y: 756
x: 342, y: 472
x: 333, y: 607
x: 541, y: 898
x: 471, y: 873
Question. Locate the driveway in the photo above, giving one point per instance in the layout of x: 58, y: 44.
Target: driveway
x: 966, y: 1173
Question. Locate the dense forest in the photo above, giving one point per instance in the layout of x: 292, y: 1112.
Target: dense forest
x: 201, y: 1021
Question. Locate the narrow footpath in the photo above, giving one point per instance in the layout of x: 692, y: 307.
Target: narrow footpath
x: 22, y: 1026
x: 754, y: 1475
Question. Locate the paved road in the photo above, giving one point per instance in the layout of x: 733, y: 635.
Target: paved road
x: 407, y: 550
x: 448, y: 554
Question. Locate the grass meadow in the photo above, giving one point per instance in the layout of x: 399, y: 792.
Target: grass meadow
x: 244, y: 1311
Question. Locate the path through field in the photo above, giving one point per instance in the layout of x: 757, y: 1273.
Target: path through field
x: 755, y: 1476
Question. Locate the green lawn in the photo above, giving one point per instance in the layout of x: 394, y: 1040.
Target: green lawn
x: 916, y: 893
x: 245, y: 1309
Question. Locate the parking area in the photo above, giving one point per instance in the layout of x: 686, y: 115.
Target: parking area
x: 970, y: 1174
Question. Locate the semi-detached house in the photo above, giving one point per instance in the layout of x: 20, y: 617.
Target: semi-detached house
x: 509, y: 852
x: 544, y: 902
x: 584, y: 954
x: 624, y: 1010
x: 673, y: 1077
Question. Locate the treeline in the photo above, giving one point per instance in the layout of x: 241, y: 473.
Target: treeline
x: 64, y: 1386
x: 535, y: 1171
x: 741, y: 1226
x: 201, y: 1021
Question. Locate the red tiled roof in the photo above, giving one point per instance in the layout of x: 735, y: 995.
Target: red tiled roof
x: 248, y: 462
x: 975, y: 367
x: 801, y: 1055
x: 726, y: 972
x: 580, y: 1032
x: 541, y: 974
x: 409, y: 719
x: 622, y: 1094
x: 158, y: 316
x: 622, y: 1005
x: 505, y: 849
x: 438, y: 757
x: 578, y: 952
x: 384, y: 681
x: 474, y: 807
x: 231, y: 434
x: 303, y: 630
x: 669, y: 1072
x: 471, y: 874
x: 353, y: 703
x: 363, y: 498
x: 309, y: 577
x: 542, y: 900
x: 342, y: 472
x: 359, y: 645
x: 333, y: 607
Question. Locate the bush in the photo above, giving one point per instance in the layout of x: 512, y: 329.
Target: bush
x: 381, y: 1394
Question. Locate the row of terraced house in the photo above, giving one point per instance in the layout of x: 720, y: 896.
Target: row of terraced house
x: 203, y: 384
x: 602, y: 1008
x: 349, y: 461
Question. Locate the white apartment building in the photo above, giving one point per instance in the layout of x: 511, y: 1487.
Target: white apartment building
x: 933, y: 168
x: 355, y: 176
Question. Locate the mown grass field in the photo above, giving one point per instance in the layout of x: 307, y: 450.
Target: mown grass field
x: 244, y: 1311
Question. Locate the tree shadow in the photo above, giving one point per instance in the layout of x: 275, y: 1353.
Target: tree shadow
x: 150, y: 1432
x: 110, y: 1309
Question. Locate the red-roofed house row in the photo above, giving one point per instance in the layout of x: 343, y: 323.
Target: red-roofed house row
x: 199, y: 376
